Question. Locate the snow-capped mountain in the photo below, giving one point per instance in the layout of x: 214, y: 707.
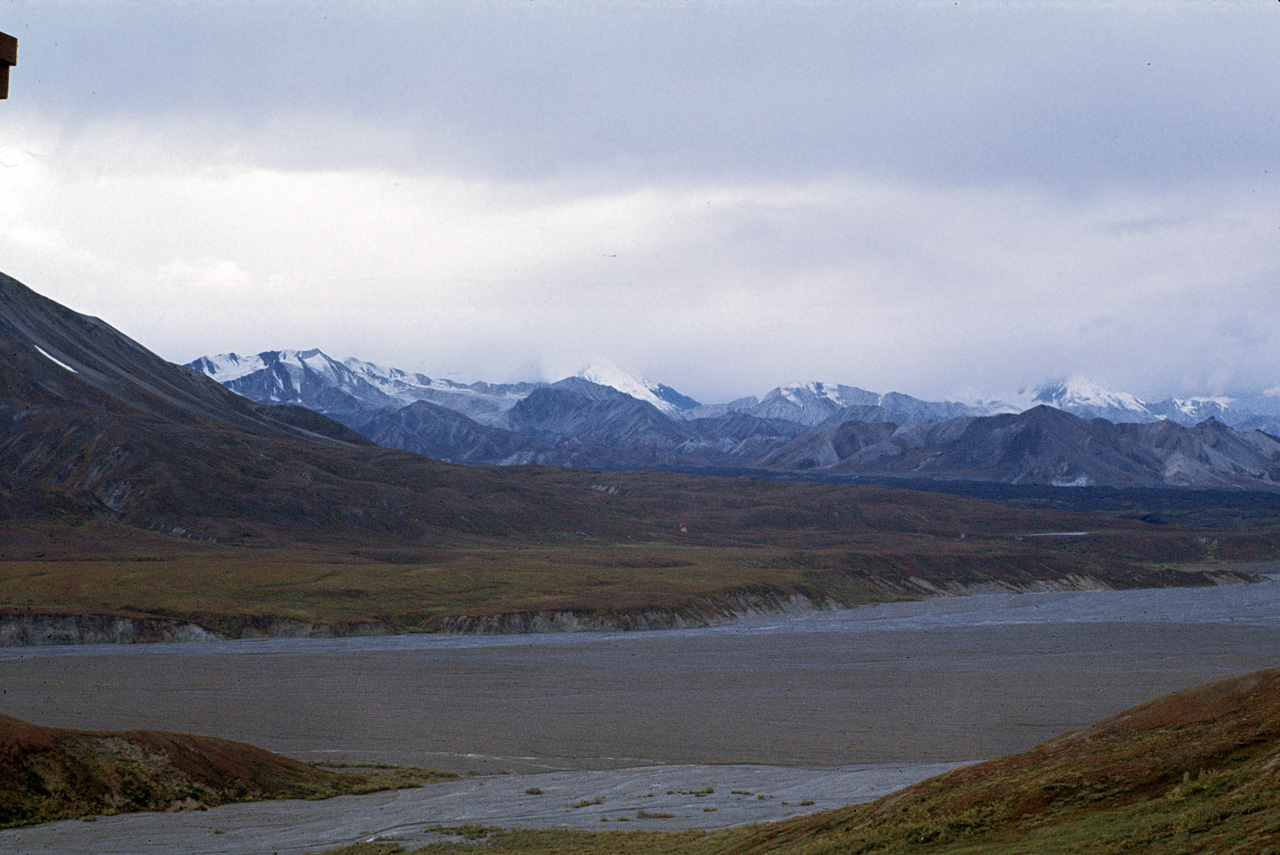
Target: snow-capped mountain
x: 804, y: 403
x: 817, y: 403
x: 484, y: 402
x: 352, y: 390
x: 1088, y: 399
x: 227, y: 368
x: 608, y: 417
x: 304, y: 378
x: 666, y: 399
x: 1189, y: 411
x: 1082, y: 397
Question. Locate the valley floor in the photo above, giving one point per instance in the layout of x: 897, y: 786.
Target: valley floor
x: 943, y: 680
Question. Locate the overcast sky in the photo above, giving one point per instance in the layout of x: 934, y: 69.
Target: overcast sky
x: 924, y: 197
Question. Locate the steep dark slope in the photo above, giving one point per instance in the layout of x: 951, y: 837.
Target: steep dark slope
x: 736, y: 439
x: 1040, y: 446
x: 1209, y: 453
x: 101, y: 367
x: 828, y: 446
x: 312, y: 423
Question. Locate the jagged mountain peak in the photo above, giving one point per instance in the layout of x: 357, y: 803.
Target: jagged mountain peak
x: 1078, y: 391
x: 369, y: 369
x: 1199, y: 407
x: 1081, y: 396
x: 225, y: 367
x: 838, y: 395
x: 814, y: 388
x: 606, y: 415
x: 666, y: 399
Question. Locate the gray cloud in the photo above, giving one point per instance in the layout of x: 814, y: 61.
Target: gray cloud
x: 724, y: 196
x: 1067, y: 95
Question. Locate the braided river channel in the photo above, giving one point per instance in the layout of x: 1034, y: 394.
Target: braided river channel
x: 822, y: 708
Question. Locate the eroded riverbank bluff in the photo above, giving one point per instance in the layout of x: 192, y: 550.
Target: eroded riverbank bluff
x: 33, y: 628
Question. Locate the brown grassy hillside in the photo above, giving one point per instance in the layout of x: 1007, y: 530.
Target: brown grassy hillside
x: 51, y: 773
x: 1194, y: 771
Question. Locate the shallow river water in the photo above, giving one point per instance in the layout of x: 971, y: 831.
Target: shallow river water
x: 825, y: 707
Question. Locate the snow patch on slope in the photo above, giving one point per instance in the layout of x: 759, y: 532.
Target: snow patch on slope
x: 1194, y: 405
x: 801, y: 393
x: 226, y: 367
x: 54, y: 359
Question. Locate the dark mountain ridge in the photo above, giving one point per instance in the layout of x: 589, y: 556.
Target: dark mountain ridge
x: 93, y: 423
x: 51, y: 355
x: 435, y: 431
x: 597, y: 415
x: 1048, y: 446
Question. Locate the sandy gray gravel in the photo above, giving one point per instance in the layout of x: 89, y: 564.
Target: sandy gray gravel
x: 626, y: 796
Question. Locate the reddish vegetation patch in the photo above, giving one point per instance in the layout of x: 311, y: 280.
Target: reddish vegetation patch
x: 1141, y: 752
x: 56, y: 773
x: 1194, y: 771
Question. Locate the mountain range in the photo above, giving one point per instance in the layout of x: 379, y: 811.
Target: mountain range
x: 93, y: 426
x: 93, y: 419
x: 355, y: 390
x: 1067, y: 433
x: 135, y: 489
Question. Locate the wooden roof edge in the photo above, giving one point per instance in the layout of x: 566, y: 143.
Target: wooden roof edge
x: 8, y: 49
